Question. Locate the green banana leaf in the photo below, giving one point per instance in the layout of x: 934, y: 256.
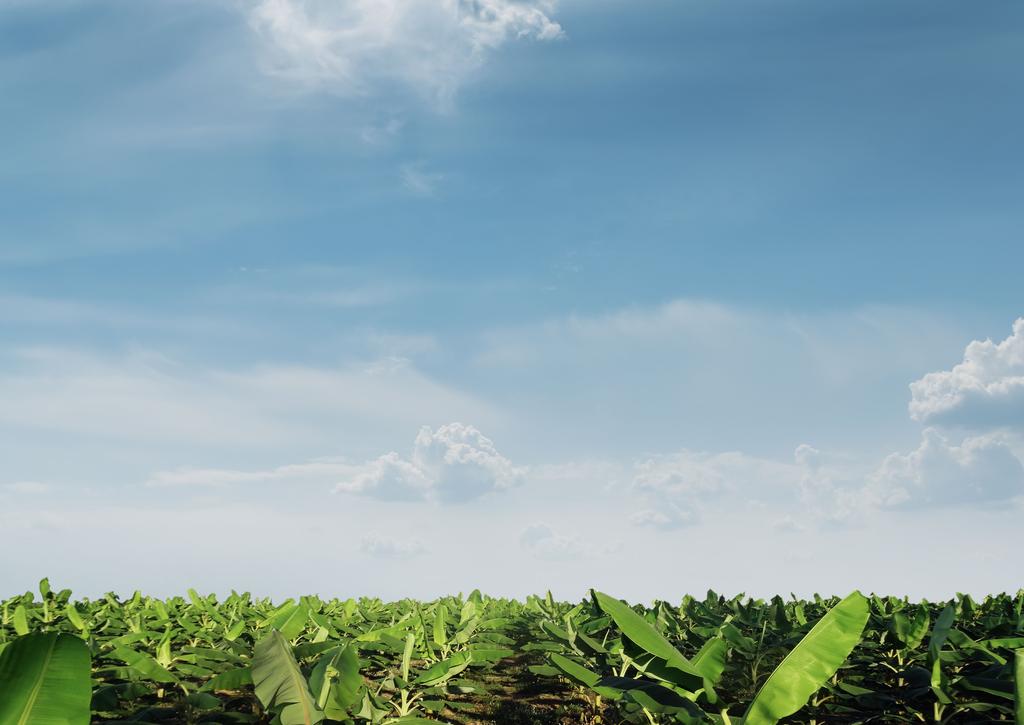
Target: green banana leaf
x: 44, y: 680
x: 20, y: 620
x: 291, y: 620
x: 940, y: 633
x: 1018, y: 685
x: 144, y: 664
x: 280, y: 684
x: 444, y: 670
x: 234, y: 679
x: 810, y: 663
x: 911, y: 632
x: 581, y: 675
x: 336, y: 682
x: 643, y: 634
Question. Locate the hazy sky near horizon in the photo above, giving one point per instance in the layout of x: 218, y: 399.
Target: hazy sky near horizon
x: 406, y: 297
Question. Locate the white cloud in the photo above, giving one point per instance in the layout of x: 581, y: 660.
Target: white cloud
x: 146, y: 397
x: 313, y: 472
x: 981, y: 470
x: 545, y: 543
x: 455, y: 463
x: 668, y: 516
x: 985, y: 390
x: 381, y: 134
x: 431, y: 46
x: 679, y: 487
x: 384, y: 547
x: 30, y: 488
x: 787, y: 525
x: 390, y: 478
x: 419, y: 181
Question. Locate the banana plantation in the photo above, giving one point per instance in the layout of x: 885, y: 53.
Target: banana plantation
x: 477, y: 659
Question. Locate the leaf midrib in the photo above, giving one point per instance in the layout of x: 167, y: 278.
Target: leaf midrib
x: 30, y: 703
x: 297, y: 681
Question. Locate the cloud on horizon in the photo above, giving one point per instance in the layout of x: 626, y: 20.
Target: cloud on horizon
x: 980, y: 471
x: 985, y: 390
x: 454, y: 464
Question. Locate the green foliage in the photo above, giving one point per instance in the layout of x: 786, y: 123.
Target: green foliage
x: 811, y: 663
x: 280, y: 684
x: 1018, y: 677
x: 708, y: 659
x: 44, y: 680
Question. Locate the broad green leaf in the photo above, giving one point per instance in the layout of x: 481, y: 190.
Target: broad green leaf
x: 144, y: 664
x: 204, y: 701
x: 643, y: 634
x: 44, y: 680
x: 575, y: 671
x: 72, y: 614
x: 911, y: 632
x: 445, y: 669
x: 440, y: 626
x: 652, y: 696
x: 336, y: 682
x: 1018, y: 685
x: 230, y: 680
x: 279, y: 682
x: 236, y: 629
x: 410, y: 642
x: 20, y: 620
x: 291, y: 621
x: 810, y: 663
x: 710, y: 660
x: 490, y: 654
x: 940, y: 633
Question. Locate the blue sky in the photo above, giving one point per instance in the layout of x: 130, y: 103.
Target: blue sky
x: 579, y: 284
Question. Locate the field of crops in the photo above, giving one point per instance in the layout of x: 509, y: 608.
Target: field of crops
x: 474, y: 658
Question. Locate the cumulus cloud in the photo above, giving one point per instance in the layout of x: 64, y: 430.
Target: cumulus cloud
x: 985, y: 390
x: 981, y: 470
x: 455, y: 463
x: 678, y: 487
x: 431, y: 46
x: 383, y: 547
x: 545, y: 543
x: 390, y: 478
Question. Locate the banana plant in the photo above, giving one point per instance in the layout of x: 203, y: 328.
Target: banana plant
x: 44, y: 680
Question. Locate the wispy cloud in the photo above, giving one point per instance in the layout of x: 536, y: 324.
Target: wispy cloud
x: 387, y: 547
x: 143, y: 396
x: 353, y: 47
x: 418, y: 180
x: 27, y: 488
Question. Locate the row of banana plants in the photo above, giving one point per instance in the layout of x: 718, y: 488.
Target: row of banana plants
x: 241, y: 659
x: 244, y: 660
x: 855, y: 660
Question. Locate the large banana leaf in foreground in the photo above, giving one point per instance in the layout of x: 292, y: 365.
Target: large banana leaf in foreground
x: 809, y: 665
x: 1018, y: 677
x: 280, y: 684
x: 44, y: 680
